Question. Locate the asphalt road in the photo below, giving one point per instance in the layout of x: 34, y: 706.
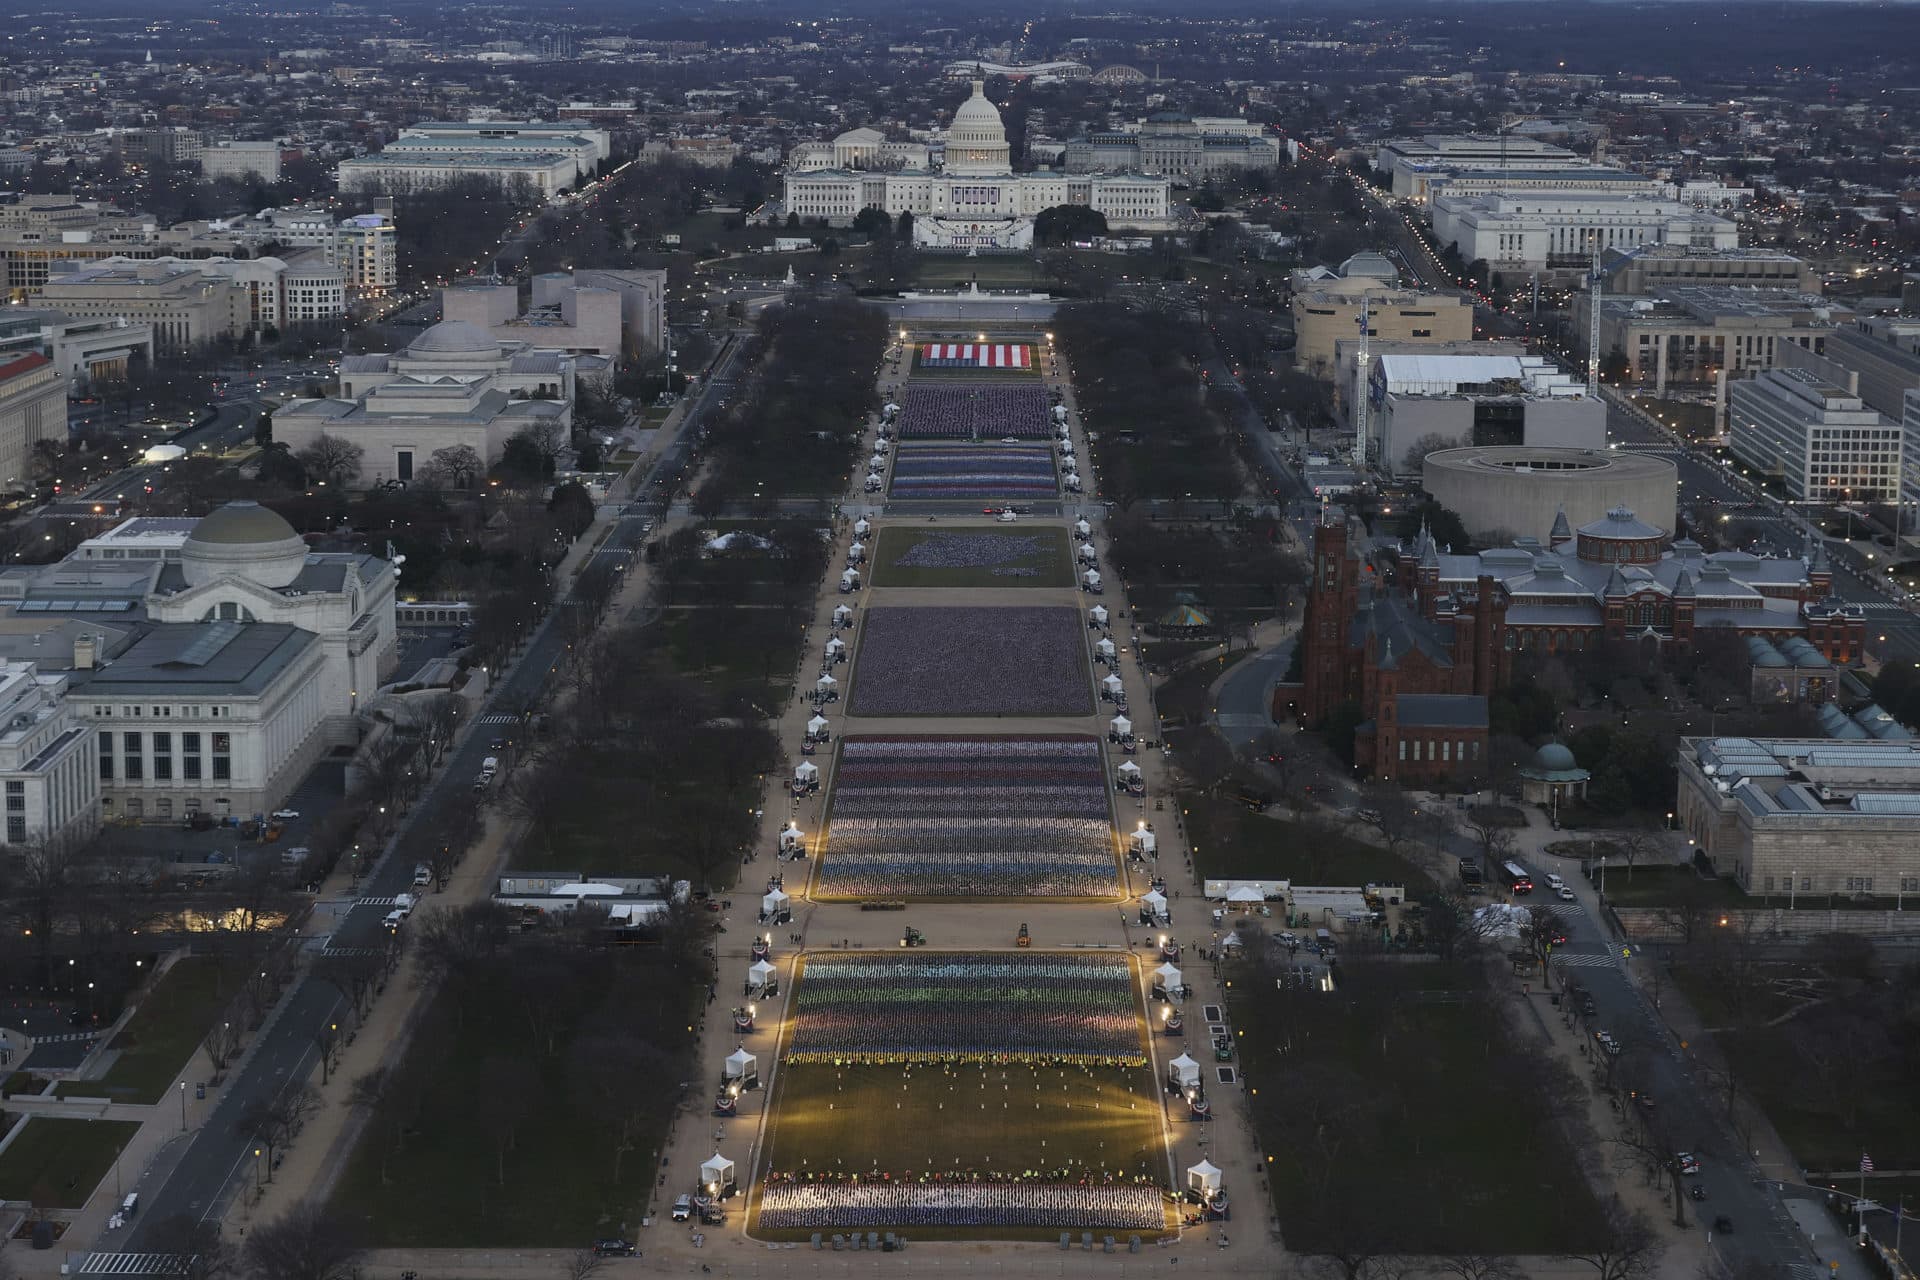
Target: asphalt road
x: 230, y: 427
x: 197, y: 1179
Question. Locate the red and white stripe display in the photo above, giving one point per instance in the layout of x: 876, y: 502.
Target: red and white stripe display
x: 970, y: 355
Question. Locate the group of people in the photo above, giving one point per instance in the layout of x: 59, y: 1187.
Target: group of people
x: 987, y: 412
x: 972, y: 1201
x: 1034, y: 1007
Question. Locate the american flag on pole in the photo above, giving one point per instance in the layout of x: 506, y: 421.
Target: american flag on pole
x: 1866, y: 1163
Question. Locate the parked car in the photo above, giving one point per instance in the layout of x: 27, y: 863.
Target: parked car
x: 683, y: 1208
x: 1687, y: 1162
x: 286, y: 815
x: 614, y: 1249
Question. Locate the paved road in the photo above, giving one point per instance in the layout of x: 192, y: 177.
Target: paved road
x: 198, y: 1179
x: 231, y: 426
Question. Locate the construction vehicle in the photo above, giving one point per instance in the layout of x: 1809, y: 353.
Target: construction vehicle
x: 1025, y: 939
x: 913, y: 938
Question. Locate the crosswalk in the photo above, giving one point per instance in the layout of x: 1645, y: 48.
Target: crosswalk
x: 351, y: 953
x: 1582, y: 961
x: 67, y: 1037
x: 1885, y: 608
x: 375, y: 902
x: 136, y: 1264
x: 499, y: 718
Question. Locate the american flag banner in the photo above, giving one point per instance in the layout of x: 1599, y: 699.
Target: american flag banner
x: 1866, y: 1163
x: 975, y: 355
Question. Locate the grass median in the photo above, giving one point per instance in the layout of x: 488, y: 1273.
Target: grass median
x: 57, y: 1163
x: 164, y: 1033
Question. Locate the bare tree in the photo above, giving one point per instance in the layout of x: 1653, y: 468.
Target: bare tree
x: 304, y: 1243
x: 327, y: 1038
x: 583, y: 1263
x: 333, y: 459
x: 1635, y: 844
x: 1628, y: 1248
x: 273, y: 1121
x: 461, y: 948
x: 457, y: 466
x: 352, y: 974
x: 221, y: 1043
x: 1475, y: 1266
x: 196, y: 1250
x: 1391, y: 812
x: 1432, y: 442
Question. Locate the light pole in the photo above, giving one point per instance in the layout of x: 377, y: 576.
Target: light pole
x: 183, y: 1106
x: 1603, y: 879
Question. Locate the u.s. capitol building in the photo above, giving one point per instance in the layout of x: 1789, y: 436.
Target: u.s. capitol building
x: 974, y: 200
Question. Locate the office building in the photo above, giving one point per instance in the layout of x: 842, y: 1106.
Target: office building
x: 362, y: 245
x: 84, y: 352
x: 455, y: 385
x: 583, y: 313
x: 1615, y: 184
x: 1822, y: 443
x: 1536, y: 232
x: 1695, y: 333
x: 1876, y: 358
x: 40, y: 233
x: 1176, y: 146
x: 33, y: 407
x: 399, y: 169
x: 1655, y: 268
x: 590, y: 145
x: 184, y: 305
x: 1812, y: 817
x: 48, y: 773
x: 1413, y: 163
x: 241, y: 160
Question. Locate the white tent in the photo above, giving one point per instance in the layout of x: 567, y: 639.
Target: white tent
x: 1091, y: 579
x: 1146, y: 842
x: 877, y: 462
x: 1086, y: 553
x: 717, y: 1173
x: 759, y: 973
x: 825, y: 684
x: 1082, y: 528
x: 817, y: 727
x: 1153, y: 900
x: 1059, y: 413
x: 1231, y: 942
x: 837, y: 646
x: 862, y: 527
x: 1119, y: 724
x: 1203, y: 1177
x: 792, y: 837
x: 1097, y: 615
x: 1072, y: 483
x: 1066, y: 446
x: 806, y: 771
x: 849, y: 580
x: 856, y: 552
x: 881, y: 445
x: 776, y: 900
x: 1105, y: 649
x: 1112, y: 684
x: 1067, y: 464
x: 1184, y: 1071
x: 741, y: 1065
x: 1247, y: 893
x: 889, y: 408
x: 1167, y: 976
x: 842, y: 615
x: 1129, y: 770
x: 874, y: 484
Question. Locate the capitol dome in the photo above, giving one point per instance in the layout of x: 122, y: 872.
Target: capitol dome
x: 243, y: 540
x: 977, y: 140
x: 455, y: 338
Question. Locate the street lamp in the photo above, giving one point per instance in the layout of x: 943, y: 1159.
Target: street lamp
x: 183, y: 1106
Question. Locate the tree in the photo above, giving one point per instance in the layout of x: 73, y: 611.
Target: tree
x: 573, y: 507
x: 531, y: 453
x: 335, y: 460
x: 273, y: 1121
x: 221, y: 1043
x: 1627, y: 1249
x: 196, y: 1247
x: 1391, y: 812
x: 263, y: 430
x: 1063, y: 224
x: 277, y: 466
x: 458, y: 465
x: 306, y: 1243
x: 873, y: 222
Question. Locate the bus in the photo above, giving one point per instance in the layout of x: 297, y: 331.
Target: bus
x: 1517, y: 878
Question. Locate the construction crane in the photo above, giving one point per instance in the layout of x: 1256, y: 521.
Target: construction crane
x: 1596, y: 286
x: 1362, y: 389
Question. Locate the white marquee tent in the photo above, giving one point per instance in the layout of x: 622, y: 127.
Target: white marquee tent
x: 817, y: 727
x: 1184, y: 1072
x: 1168, y: 976
x: 1097, y: 615
x: 1129, y: 771
x: 1153, y: 900
x: 1121, y: 726
x: 1203, y: 1177
x: 716, y: 1174
x: 1112, y: 685
x: 806, y: 771
x: 776, y: 900
x: 759, y: 973
x: 740, y: 1065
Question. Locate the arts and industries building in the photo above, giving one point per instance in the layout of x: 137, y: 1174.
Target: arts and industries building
x: 974, y: 200
x: 553, y: 157
x: 1805, y: 816
x: 1696, y: 333
x: 596, y: 312
x: 1419, y: 658
x: 189, y: 665
x: 456, y: 385
x: 1820, y: 441
x: 1528, y: 232
x: 1473, y: 400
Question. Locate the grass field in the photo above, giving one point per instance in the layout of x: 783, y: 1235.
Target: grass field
x: 1358, y: 1095
x: 162, y: 1035
x: 1670, y: 886
x: 1233, y: 842
x: 972, y: 556
x: 57, y: 1163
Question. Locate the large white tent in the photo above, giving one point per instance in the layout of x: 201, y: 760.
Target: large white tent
x: 1097, y: 615
x: 877, y: 462
x: 1129, y: 771
x: 1168, y: 976
x: 1082, y: 529
x: 740, y: 1065
x: 817, y: 727
x: 776, y: 900
x: 1090, y: 579
x: 806, y: 771
x: 843, y: 615
x: 792, y: 837
x: 862, y: 527
x: 1246, y: 894
x: 1184, y: 1072
x: 1203, y: 1178
x: 1112, y: 684
x: 716, y: 1173
x: 1105, y: 649
x: 825, y: 684
x: 856, y: 553
x: 759, y: 973
x: 1121, y: 726
x: 1086, y: 553
x: 1153, y: 900
x: 1146, y: 842
x: 836, y: 646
